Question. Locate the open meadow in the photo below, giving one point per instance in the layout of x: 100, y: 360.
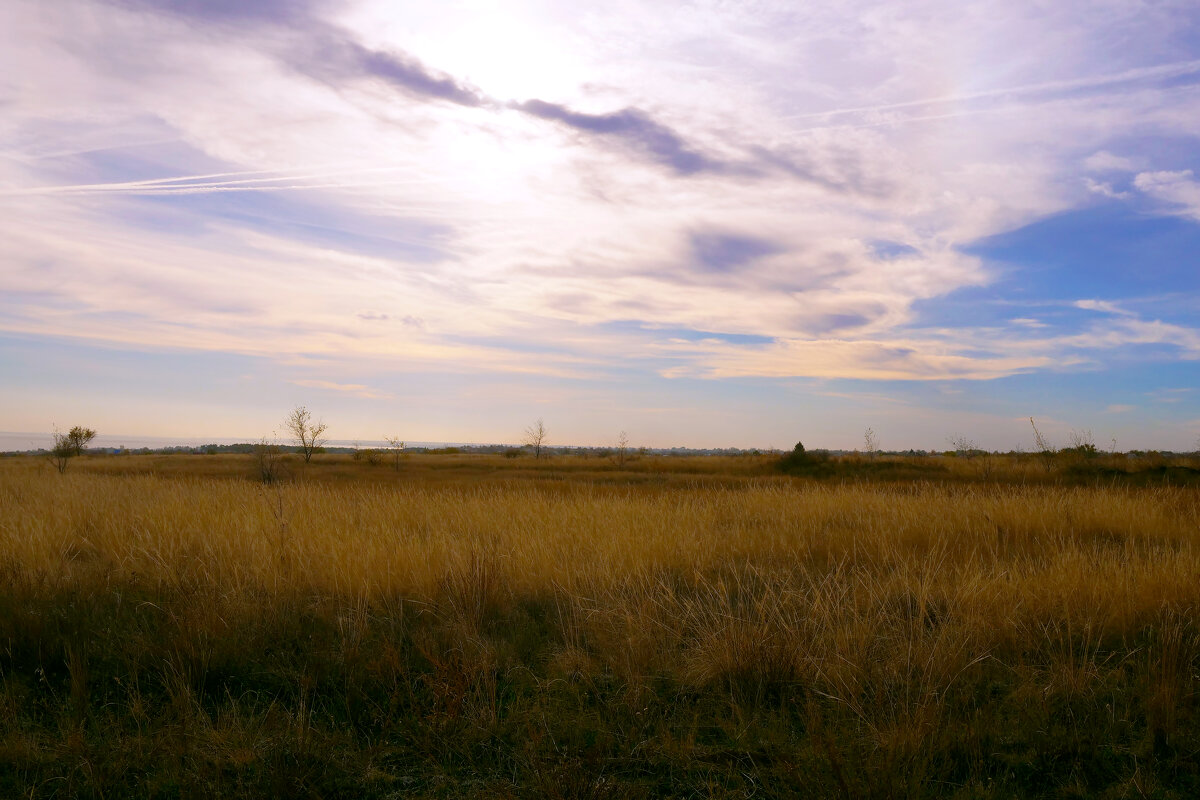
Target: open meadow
x: 478, y: 626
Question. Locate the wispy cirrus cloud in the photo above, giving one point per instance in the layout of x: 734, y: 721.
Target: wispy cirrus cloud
x: 1171, y: 395
x: 1040, y: 91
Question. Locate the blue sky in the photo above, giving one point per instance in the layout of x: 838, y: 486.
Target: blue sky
x: 702, y: 223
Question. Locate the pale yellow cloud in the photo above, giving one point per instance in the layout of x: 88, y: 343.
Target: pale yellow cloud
x: 869, y: 360
x: 356, y: 389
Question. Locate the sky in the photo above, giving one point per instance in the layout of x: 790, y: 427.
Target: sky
x: 704, y: 224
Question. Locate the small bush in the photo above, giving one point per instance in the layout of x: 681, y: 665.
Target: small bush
x: 270, y: 460
x: 804, y: 462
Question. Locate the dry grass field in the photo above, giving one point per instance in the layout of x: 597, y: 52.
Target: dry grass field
x: 474, y: 626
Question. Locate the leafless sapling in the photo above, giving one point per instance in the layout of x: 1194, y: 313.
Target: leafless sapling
x: 308, y: 434
x: 1044, y: 447
x: 397, y: 446
x: 870, y: 442
x: 622, y: 448
x: 535, y: 437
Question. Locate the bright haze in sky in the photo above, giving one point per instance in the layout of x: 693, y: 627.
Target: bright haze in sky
x: 705, y: 224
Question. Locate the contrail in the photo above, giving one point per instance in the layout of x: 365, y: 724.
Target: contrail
x: 148, y: 191
x: 1140, y: 73
x: 889, y: 123
x: 193, y: 184
x: 178, y: 179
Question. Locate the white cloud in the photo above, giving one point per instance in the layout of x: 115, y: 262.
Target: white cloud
x: 1104, y: 189
x: 1104, y: 161
x: 1102, y: 305
x: 1131, y: 331
x: 1178, y: 188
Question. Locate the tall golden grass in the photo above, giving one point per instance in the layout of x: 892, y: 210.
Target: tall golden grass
x: 896, y: 619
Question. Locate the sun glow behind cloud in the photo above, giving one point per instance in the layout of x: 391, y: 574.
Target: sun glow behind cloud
x: 505, y: 49
x: 364, y: 190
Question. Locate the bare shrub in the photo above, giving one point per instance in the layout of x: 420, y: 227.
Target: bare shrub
x: 622, y: 453
x: 1082, y: 443
x: 963, y: 447
x: 269, y: 458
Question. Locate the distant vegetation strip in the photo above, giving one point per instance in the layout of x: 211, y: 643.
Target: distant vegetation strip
x: 239, y: 461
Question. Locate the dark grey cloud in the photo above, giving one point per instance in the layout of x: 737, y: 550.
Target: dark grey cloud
x: 279, y: 12
x: 332, y: 55
x: 885, y: 248
x: 722, y: 252
x: 413, y: 76
x: 635, y: 128
x: 829, y: 323
x: 313, y: 46
x: 839, y: 168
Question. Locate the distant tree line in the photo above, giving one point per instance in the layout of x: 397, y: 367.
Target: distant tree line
x: 308, y: 439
